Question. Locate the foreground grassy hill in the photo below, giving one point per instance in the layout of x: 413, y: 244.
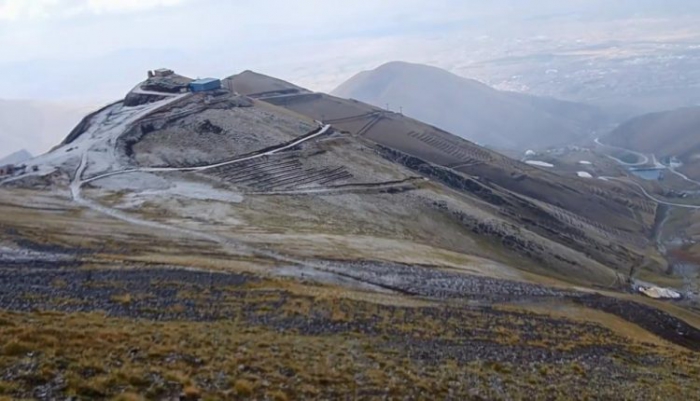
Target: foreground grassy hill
x: 135, y: 313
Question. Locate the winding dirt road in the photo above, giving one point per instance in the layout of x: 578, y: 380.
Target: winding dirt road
x: 643, y: 157
x: 649, y: 196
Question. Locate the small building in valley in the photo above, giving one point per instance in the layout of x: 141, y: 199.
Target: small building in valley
x: 205, y: 84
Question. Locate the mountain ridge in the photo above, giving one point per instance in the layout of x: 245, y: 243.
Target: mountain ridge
x: 473, y: 110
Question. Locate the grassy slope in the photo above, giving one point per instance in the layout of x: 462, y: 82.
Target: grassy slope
x: 353, y: 347
x: 279, y: 339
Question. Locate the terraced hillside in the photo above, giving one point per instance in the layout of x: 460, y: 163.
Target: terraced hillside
x: 217, y: 246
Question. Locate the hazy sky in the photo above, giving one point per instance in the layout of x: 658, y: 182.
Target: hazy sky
x: 92, y: 51
x: 312, y: 40
x: 95, y: 49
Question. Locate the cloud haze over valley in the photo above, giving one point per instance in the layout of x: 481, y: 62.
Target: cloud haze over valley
x: 91, y: 51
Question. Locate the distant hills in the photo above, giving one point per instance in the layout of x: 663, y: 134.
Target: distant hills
x: 17, y: 157
x: 474, y: 110
x: 665, y: 134
x: 36, y: 125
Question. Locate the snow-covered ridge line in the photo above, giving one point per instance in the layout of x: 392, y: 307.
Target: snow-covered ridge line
x: 99, y: 133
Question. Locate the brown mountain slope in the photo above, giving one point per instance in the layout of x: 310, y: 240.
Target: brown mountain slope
x: 601, y: 219
x: 473, y: 110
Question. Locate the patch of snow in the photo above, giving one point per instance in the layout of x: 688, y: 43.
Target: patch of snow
x: 143, y: 187
x: 584, y: 174
x: 660, y: 293
x: 530, y: 153
x: 539, y: 163
x: 98, y: 140
x: 133, y: 181
x: 178, y: 189
x: 585, y: 162
x: 23, y: 255
x: 199, y: 191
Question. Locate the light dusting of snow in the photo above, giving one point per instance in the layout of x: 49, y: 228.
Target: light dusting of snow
x: 134, y: 181
x: 539, y: 163
x: 145, y: 187
x: 99, y: 140
x: 660, y: 293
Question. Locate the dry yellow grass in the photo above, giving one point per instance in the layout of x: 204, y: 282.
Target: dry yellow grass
x: 125, y: 357
x: 618, y: 325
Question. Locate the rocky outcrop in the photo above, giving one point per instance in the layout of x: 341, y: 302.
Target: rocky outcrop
x: 137, y: 99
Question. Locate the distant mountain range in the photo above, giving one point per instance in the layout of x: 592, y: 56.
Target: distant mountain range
x: 17, y: 157
x: 473, y: 110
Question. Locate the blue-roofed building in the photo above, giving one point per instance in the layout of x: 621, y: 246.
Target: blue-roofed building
x: 205, y: 84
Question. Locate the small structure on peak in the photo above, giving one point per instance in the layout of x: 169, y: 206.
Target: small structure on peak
x: 163, y: 72
x: 205, y: 84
